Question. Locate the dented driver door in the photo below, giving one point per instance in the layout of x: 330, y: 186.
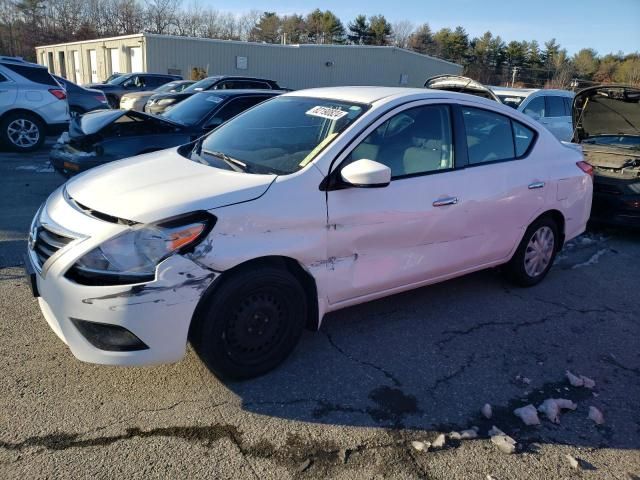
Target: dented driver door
x: 410, y: 231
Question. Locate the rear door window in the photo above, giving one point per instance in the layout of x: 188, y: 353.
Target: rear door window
x: 555, y: 106
x: 535, y: 107
x: 35, y: 74
x: 492, y: 137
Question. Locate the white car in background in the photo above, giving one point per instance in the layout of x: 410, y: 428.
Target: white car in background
x: 304, y: 204
x: 552, y: 108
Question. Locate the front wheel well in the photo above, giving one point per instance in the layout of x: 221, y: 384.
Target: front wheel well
x: 289, y: 264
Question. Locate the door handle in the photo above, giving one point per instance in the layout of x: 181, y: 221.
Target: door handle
x: 441, y: 202
x: 535, y: 185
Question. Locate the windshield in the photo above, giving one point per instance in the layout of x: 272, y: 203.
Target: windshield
x: 194, y: 108
x: 119, y: 79
x: 513, y: 101
x: 279, y: 136
x: 201, y: 85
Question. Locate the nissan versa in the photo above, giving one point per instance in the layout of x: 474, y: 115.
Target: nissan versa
x: 310, y: 202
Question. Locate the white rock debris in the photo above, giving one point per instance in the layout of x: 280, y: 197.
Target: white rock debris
x: 468, y: 434
x: 580, y: 380
x: 490, y: 477
x: 495, y: 431
x: 487, y: 411
x: 505, y: 443
x: 592, y: 260
x: 552, y: 408
x: 64, y: 138
x: 596, y: 415
x: 528, y: 414
x: 523, y: 379
x: 420, y: 446
x: 572, y: 461
x: 439, y: 441
x: 455, y: 436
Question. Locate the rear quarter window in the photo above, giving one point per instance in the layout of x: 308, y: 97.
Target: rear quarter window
x: 34, y: 74
x: 555, y: 106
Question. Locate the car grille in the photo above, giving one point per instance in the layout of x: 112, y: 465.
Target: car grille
x: 47, y: 243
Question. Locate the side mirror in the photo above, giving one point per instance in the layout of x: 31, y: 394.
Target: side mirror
x: 367, y: 174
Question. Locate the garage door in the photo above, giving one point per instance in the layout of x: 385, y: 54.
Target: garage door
x: 93, y: 66
x: 77, y: 67
x: 114, y: 59
x: 136, y: 59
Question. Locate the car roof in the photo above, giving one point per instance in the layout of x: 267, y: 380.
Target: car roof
x: 525, y: 92
x: 236, y: 77
x: 366, y: 95
x: 240, y: 92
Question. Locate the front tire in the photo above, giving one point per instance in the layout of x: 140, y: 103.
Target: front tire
x: 251, y: 323
x: 22, y: 132
x: 535, y: 254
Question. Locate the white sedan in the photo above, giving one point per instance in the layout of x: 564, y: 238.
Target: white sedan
x: 305, y: 204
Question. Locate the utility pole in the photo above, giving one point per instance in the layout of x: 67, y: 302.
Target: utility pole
x: 514, y: 72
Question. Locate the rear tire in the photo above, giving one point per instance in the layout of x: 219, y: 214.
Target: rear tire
x: 250, y: 323
x: 535, y: 254
x: 22, y: 132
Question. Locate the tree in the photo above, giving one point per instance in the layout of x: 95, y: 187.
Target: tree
x: 629, y: 70
x: 324, y: 27
x: 161, y: 14
x: 586, y: 63
x: 293, y: 28
x: 402, y: 31
x: 379, y: 30
x: 267, y: 29
x: 360, y: 33
x: 421, y: 40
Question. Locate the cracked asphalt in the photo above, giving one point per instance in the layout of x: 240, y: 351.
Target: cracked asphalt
x: 353, y: 396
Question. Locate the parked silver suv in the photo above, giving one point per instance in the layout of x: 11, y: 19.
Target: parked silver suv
x: 32, y: 105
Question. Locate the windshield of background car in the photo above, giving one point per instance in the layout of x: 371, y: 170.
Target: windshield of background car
x: 513, y: 101
x: 119, y: 80
x: 282, y: 135
x: 201, y: 85
x: 167, y: 87
x: 194, y: 108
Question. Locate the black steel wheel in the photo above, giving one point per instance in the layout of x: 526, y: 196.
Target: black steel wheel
x: 250, y: 323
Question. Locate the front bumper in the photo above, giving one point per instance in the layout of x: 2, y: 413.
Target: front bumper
x: 70, y: 161
x: 158, y: 312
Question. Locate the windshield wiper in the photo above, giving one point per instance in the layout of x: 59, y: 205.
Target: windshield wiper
x: 234, y: 163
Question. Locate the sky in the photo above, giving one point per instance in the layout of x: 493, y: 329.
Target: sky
x: 607, y: 26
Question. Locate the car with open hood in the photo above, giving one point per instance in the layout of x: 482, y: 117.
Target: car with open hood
x: 606, y: 122
x: 101, y: 137
x: 310, y: 202
x: 161, y: 102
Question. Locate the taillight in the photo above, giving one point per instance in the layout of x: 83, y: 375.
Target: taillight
x: 585, y: 167
x: 58, y: 93
x: 101, y: 98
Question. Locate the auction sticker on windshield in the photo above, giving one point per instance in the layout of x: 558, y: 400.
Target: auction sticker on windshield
x: 326, y: 112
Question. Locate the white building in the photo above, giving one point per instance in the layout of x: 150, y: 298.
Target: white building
x: 292, y: 66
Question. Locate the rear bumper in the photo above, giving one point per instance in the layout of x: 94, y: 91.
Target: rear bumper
x: 617, y: 210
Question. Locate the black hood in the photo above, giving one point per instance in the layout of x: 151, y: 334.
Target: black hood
x: 606, y: 110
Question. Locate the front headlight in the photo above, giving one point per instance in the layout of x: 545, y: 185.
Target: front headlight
x: 165, y: 101
x: 132, y: 256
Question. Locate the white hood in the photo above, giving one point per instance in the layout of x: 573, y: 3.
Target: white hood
x: 159, y: 185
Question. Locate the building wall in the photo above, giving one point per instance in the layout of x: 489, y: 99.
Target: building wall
x: 294, y: 66
x: 103, y: 57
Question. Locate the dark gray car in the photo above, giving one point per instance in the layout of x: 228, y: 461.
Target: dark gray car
x: 82, y: 100
x: 131, y: 82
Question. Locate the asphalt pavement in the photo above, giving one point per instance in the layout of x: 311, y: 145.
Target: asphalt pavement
x: 354, y: 395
